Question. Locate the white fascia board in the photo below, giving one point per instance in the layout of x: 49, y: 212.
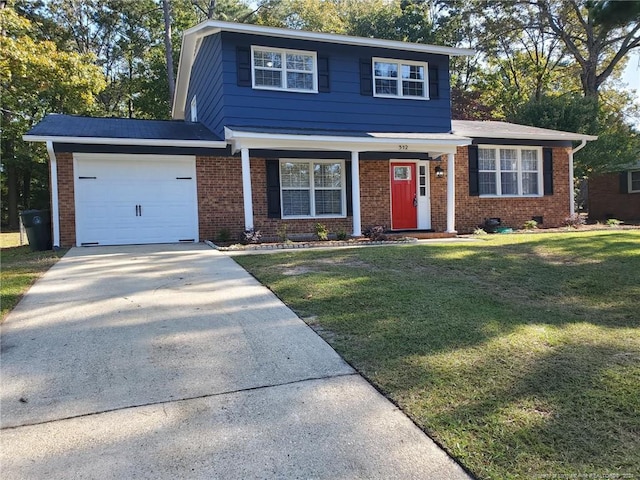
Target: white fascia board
x: 266, y: 141
x: 537, y: 136
x: 215, y: 26
x: 187, y: 57
x: 191, y: 36
x: 146, y: 142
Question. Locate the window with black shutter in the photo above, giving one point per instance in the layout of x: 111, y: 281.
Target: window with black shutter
x: 243, y: 64
x: 547, y: 170
x: 474, y: 180
x: 366, y: 77
x: 273, y: 188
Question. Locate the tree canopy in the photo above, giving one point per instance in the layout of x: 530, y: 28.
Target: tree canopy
x: 36, y: 78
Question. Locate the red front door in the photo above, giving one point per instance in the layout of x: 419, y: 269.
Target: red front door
x: 404, y: 205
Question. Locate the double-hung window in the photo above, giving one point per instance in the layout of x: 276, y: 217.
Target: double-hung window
x: 510, y: 171
x: 400, y: 78
x: 278, y: 69
x: 634, y: 181
x: 312, y: 188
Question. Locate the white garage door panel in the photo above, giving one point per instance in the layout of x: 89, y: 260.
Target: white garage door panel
x: 135, y: 199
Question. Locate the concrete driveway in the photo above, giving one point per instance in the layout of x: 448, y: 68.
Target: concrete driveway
x: 171, y: 361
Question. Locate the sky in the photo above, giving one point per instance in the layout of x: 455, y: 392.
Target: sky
x: 631, y: 77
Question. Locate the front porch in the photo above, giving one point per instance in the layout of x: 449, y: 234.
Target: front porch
x: 398, y: 181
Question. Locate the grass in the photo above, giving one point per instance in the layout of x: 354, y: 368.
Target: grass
x: 20, y: 269
x: 519, y: 354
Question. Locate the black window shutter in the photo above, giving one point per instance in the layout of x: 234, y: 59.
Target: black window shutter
x: 434, y: 84
x: 323, y: 74
x: 624, y: 182
x: 273, y: 188
x: 243, y: 61
x: 348, y: 180
x: 547, y: 170
x: 474, y: 177
x: 366, y: 77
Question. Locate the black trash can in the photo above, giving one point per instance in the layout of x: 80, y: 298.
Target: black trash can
x: 37, y: 223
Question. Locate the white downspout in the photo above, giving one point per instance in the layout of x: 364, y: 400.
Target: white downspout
x: 246, y: 189
x: 355, y: 193
x: 451, y: 193
x: 55, y: 217
x: 572, y: 193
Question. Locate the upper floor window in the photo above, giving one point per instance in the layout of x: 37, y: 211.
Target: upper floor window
x: 400, y: 78
x: 194, y: 109
x: 510, y: 171
x: 278, y: 69
x: 634, y: 181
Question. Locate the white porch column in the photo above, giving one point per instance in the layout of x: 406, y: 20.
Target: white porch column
x: 355, y: 193
x: 55, y: 216
x: 246, y: 189
x: 451, y: 193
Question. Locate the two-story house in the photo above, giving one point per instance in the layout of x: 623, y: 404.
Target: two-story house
x: 276, y: 127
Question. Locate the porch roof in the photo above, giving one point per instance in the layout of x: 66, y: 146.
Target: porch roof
x: 435, y: 144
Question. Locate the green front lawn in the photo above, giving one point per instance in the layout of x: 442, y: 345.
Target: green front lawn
x: 520, y: 354
x: 19, y: 269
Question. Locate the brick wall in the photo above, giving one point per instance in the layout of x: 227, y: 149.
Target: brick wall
x: 66, y: 199
x: 271, y: 226
x: 471, y: 211
x: 220, y: 206
x: 606, y: 201
x: 438, y: 196
x: 375, y: 193
x: 220, y: 203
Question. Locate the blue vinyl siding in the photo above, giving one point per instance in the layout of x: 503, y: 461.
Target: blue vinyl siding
x: 222, y: 102
x: 206, y: 83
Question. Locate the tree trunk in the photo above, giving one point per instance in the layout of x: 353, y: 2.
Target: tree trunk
x: 168, y: 49
x: 26, y: 189
x: 12, y: 197
x: 589, y: 81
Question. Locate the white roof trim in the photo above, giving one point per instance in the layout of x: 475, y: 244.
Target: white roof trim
x: 211, y: 27
x: 436, y: 144
x: 127, y: 141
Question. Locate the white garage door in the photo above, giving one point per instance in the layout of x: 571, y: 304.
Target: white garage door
x: 135, y: 199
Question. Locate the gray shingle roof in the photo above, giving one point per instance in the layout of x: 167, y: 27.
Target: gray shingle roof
x: 491, y: 129
x: 73, y: 126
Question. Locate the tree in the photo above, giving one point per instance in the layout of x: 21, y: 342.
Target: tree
x: 598, y: 35
x: 168, y: 47
x: 36, y: 78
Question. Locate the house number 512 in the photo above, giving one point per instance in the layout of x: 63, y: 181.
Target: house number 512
x: 403, y: 147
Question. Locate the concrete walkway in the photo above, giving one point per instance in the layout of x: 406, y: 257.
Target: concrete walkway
x: 171, y: 361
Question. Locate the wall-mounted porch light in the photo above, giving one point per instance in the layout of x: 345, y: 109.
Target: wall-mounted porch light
x: 439, y: 171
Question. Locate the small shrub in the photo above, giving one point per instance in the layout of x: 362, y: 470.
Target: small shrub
x: 341, y: 235
x: 530, y: 225
x: 321, y: 232
x: 224, y: 235
x: 375, y: 233
x: 251, y: 236
x: 574, y: 221
x: 613, y: 222
x: 282, y: 233
x: 479, y: 231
